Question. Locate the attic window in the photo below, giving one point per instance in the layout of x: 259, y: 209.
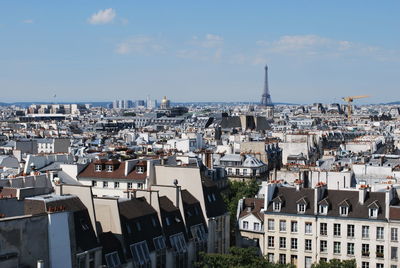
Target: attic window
x: 373, y: 213
x: 301, y: 208
x: 277, y: 206
x: 109, y: 168
x: 323, y: 209
x: 344, y: 211
x: 97, y: 168
x: 140, y: 169
x: 112, y: 259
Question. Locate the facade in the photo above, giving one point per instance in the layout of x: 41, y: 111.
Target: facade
x: 304, y: 226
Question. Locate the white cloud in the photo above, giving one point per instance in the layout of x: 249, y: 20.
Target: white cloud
x: 103, y: 16
x: 28, y: 21
x: 139, y: 44
x: 208, y: 47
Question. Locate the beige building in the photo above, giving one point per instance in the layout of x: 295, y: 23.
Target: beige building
x: 304, y: 226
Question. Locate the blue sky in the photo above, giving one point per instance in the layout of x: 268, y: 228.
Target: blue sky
x: 317, y: 51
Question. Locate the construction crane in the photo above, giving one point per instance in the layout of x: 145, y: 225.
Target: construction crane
x: 349, y: 100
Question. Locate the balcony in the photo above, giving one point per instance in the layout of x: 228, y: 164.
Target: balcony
x: 379, y: 255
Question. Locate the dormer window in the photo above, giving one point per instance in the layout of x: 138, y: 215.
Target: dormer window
x: 109, y: 168
x: 344, y: 211
x: 373, y: 213
x: 97, y: 168
x: 140, y: 169
x: 301, y: 208
x: 323, y: 209
x: 277, y: 206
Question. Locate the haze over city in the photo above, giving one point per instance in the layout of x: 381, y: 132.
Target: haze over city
x: 317, y: 51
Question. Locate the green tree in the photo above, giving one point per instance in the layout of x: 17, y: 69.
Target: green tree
x: 335, y: 263
x: 235, y: 191
x: 237, y: 257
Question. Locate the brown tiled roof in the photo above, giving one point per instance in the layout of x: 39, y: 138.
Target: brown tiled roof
x: 394, y: 213
x: 255, y: 205
x: 117, y: 173
x: 135, y: 208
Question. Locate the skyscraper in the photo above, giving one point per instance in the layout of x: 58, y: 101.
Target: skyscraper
x: 266, y: 96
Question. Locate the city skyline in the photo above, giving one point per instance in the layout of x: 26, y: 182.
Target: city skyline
x: 101, y: 51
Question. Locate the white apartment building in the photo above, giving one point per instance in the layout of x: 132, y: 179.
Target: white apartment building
x: 304, y: 226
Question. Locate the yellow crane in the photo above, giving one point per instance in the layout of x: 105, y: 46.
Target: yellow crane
x: 349, y: 100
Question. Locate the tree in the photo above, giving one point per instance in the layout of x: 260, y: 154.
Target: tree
x: 235, y: 191
x: 335, y: 263
x: 237, y: 257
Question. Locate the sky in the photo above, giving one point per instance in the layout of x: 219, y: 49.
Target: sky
x: 316, y: 51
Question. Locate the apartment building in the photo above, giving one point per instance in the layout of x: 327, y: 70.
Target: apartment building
x: 304, y: 226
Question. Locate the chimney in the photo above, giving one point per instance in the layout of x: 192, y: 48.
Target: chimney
x: 269, y: 192
x: 298, y: 184
x: 319, y: 194
x: 389, y: 194
x: 177, y: 193
x: 362, y: 193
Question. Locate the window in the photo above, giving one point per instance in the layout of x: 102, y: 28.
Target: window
x: 393, y: 253
x: 271, y: 241
x: 112, y: 259
x: 109, y: 168
x: 229, y: 171
x: 336, y: 229
x: 350, y: 248
x: 140, y: 254
x: 294, y: 227
x: 336, y: 247
x: 350, y: 230
x: 344, y: 211
x: 282, y: 258
x: 178, y: 242
x: 277, y: 206
x: 365, y: 264
x: 379, y: 251
x: 94, y: 183
x: 245, y: 172
x: 237, y: 171
x: 301, y: 208
x: 365, y: 231
x: 282, y: 242
x: 380, y: 265
x: 140, y: 169
x: 282, y: 226
x: 271, y: 225
x: 293, y: 260
x: 323, y: 246
x: 97, y: 168
x: 379, y: 233
x: 168, y: 221
x: 129, y: 185
x: 140, y: 185
x: 308, y: 244
x: 365, y: 250
x: 373, y: 213
x: 323, y: 209
x: 116, y: 185
x: 257, y: 226
x: 245, y: 225
x: 308, y: 228
x: 293, y: 243
x: 159, y: 243
x: 323, y: 228
x: 138, y: 226
x: 307, y: 262
x: 105, y: 184
x: 393, y: 234
x: 270, y: 257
